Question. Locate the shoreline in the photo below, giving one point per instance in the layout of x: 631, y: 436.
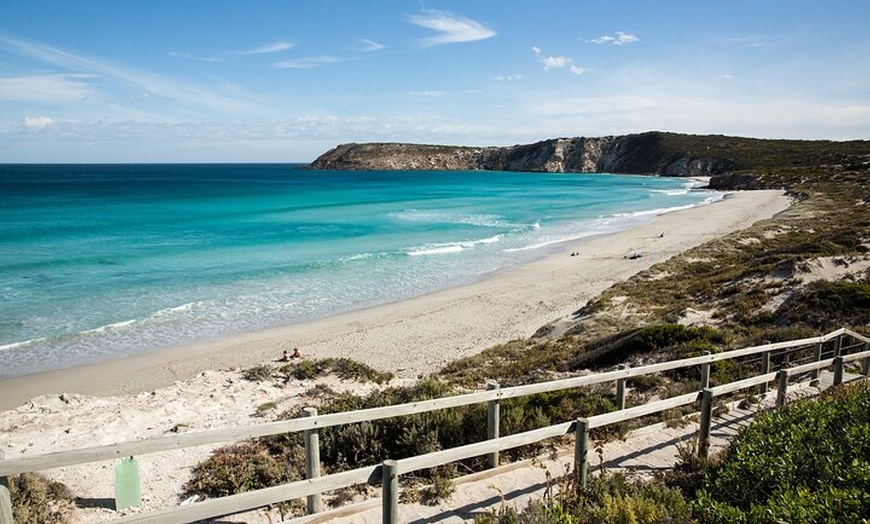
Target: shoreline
x: 438, y: 327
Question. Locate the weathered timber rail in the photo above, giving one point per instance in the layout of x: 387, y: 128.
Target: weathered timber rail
x: 829, y: 350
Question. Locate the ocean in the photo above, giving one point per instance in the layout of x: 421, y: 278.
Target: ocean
x: 104, y: 261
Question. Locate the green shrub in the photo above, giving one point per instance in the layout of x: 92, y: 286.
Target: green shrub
x: 810, y: 450
x: 307, y: 369
x: 37, y: 500
x: 663, y: 336
x: 824, y: 303
x: 344, y: 368
x: 242, y: 467
x: 258, y: 373
x: 607, y: 499
x: 616, y: 499
x: 442, y: 486
x: 252, y: 465
x: 265, y: 408
x: 537, y: 512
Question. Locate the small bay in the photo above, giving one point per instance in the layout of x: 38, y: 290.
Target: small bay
x: 103, y: 261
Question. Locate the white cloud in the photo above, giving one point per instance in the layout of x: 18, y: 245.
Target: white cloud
x: 554, y: 62
x: 509, y: 78
x: 744, y: 41
x: 272, y: 47
x: 45, y: 88
x: 144, y: 81
x: 454, y: 29
x: 557, y: 62
x: 370, y: 45
x: 189, y: 56
x: 619, y: 38
x: 429, y: 94
x: 37, y: 123
x: 307, y: 62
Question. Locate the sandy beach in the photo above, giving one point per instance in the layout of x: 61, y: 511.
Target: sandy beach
x: 199, y: 387
x: 418, y: 336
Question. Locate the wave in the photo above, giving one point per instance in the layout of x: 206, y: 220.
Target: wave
x: 108, y: 327
x: 436, y: 250
x: 451, y: 247
x: 367, y: 256
x: 663, y: 210
x: 360, y: 256
x: 554, y: 241
x: 689, y: 186
x: 23, y: 343
x: 468, y: 219
x: 672, y: 192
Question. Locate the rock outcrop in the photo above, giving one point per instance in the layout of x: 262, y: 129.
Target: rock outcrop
x: 646, y: 153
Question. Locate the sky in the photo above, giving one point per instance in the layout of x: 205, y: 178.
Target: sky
x: 287, y: 80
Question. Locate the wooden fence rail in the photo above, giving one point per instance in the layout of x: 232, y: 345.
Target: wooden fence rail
x: 389, y: 471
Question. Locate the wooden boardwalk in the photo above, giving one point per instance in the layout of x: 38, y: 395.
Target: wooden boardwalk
x: 642, y: 452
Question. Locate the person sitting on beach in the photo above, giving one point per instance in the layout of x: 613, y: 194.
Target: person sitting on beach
x: 285, y: 357
x: 296, y: 353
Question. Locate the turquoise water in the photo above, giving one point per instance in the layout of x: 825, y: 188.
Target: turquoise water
x: 102, y: 261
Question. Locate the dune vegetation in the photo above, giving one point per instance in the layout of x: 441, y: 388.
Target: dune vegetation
x: 801, y: 273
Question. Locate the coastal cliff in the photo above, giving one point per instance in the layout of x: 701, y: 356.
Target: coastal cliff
x: 646, y: 153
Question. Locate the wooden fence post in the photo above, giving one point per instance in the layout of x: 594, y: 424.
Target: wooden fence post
x: 838, y: 370
x: 705, y: 372
x: 817, y: 357
x: 5, y: 499
x: 706, y: 422
x: 493, y: 417
x: 781, y: 387
x: 5, y: 505
x: 581, y: 451
x: 838, y: 346
x: 390, y: 492
x: 765, y: 369
x: 312, y: 461
x: 865, y: 362
x: 4, y: 481
x: 620, y: 390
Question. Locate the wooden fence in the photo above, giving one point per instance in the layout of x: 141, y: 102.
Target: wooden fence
x: 838, y: 354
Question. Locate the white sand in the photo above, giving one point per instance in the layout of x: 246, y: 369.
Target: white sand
x: 148, y: 395
x: 418, y: 336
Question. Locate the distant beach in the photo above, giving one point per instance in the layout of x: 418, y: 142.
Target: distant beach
x: 418, y: 336
x: 100, y: 262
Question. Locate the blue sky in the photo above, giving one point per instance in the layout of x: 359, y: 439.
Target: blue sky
x: 285, y: 80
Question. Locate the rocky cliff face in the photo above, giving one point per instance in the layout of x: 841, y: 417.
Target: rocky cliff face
x: 640, y: 154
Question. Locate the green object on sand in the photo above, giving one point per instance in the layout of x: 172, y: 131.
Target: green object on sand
x: 127, y: 490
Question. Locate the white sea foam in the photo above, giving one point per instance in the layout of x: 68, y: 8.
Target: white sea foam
x: 671, y: 192
x: 663, y: 210
x: 359, y: 256
x: 551, y: 242
x: 109, y: 327
x: 470, y: 219
x: 22, y: 344
x: 442, y: 248
x: 455, y: 248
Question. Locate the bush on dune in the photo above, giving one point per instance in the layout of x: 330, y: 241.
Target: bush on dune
x: 37, y: 500
x: 807, y: 462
